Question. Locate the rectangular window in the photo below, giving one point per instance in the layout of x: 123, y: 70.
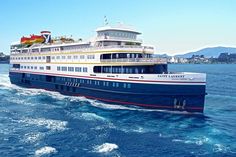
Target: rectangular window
x: 77, y: 69
x: 70, y: 68
x: 68, y: 57
x: 82, y: 57
x: 48, y: 67
x: 63, y: 68
x: 58, y: 68
x: 85, y: 69
x: 90, y: 57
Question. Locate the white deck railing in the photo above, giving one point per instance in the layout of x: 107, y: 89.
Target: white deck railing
x: 143, y: 48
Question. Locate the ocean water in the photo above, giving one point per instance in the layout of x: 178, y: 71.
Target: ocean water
x: 36, y: 122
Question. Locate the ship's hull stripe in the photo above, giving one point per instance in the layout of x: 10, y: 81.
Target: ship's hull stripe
x: 78, y: 76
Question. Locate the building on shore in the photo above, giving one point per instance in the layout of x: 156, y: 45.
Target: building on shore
x: 4, y: 58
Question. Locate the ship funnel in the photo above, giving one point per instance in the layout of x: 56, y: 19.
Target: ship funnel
x: 47, y: 36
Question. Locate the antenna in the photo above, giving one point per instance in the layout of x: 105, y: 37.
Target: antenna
x: 105, y: 20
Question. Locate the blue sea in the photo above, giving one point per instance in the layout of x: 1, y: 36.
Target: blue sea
x: 35, y: 122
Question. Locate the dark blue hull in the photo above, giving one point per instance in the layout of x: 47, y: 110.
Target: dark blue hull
x: 188, y: 98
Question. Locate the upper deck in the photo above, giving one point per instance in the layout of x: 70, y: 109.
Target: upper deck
x: 112, y: 45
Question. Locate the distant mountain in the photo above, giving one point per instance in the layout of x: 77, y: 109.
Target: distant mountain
x: 209, y: 52
x: 161, y: 55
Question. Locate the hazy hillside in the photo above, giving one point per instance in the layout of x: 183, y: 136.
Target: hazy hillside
x: 210, y: 52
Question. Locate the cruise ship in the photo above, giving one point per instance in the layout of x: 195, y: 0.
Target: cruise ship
x: 113, y: 67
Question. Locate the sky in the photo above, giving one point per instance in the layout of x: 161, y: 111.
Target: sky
x: 171, y: 26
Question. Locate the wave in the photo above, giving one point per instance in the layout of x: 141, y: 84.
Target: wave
x: 5, y: 81
x: 20, y: 101
x: 198, y: 141
x: 221, y: 148
x: 216, y: 147
x: 45, y: 150
x: 105, y: 148
x: 55, y: 125
x: 33, y: 137
x: 92, y: 117
x: 221, y: 96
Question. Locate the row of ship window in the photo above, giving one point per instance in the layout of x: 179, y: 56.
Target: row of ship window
x: 55, y: 57
x: 72, y: 69
x: 98, y: 83
x: 116, y: 34
x: 34, y: 67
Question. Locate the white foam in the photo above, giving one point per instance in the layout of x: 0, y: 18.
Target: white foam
x: 20, y: 101
x: 109, y: 106
x: 33, y: 137
x: 220, y: 148
x: 105, y: 148
x: 122, y: 107
x: 45, y: 150
x: 92, y: 117
x: 5, y: 81
x: 198, y: 141
x: 48, y: 123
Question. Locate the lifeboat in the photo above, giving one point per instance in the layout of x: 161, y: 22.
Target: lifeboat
x: 32, y: 39
x: 25, y: 40
x: 37, y: 39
